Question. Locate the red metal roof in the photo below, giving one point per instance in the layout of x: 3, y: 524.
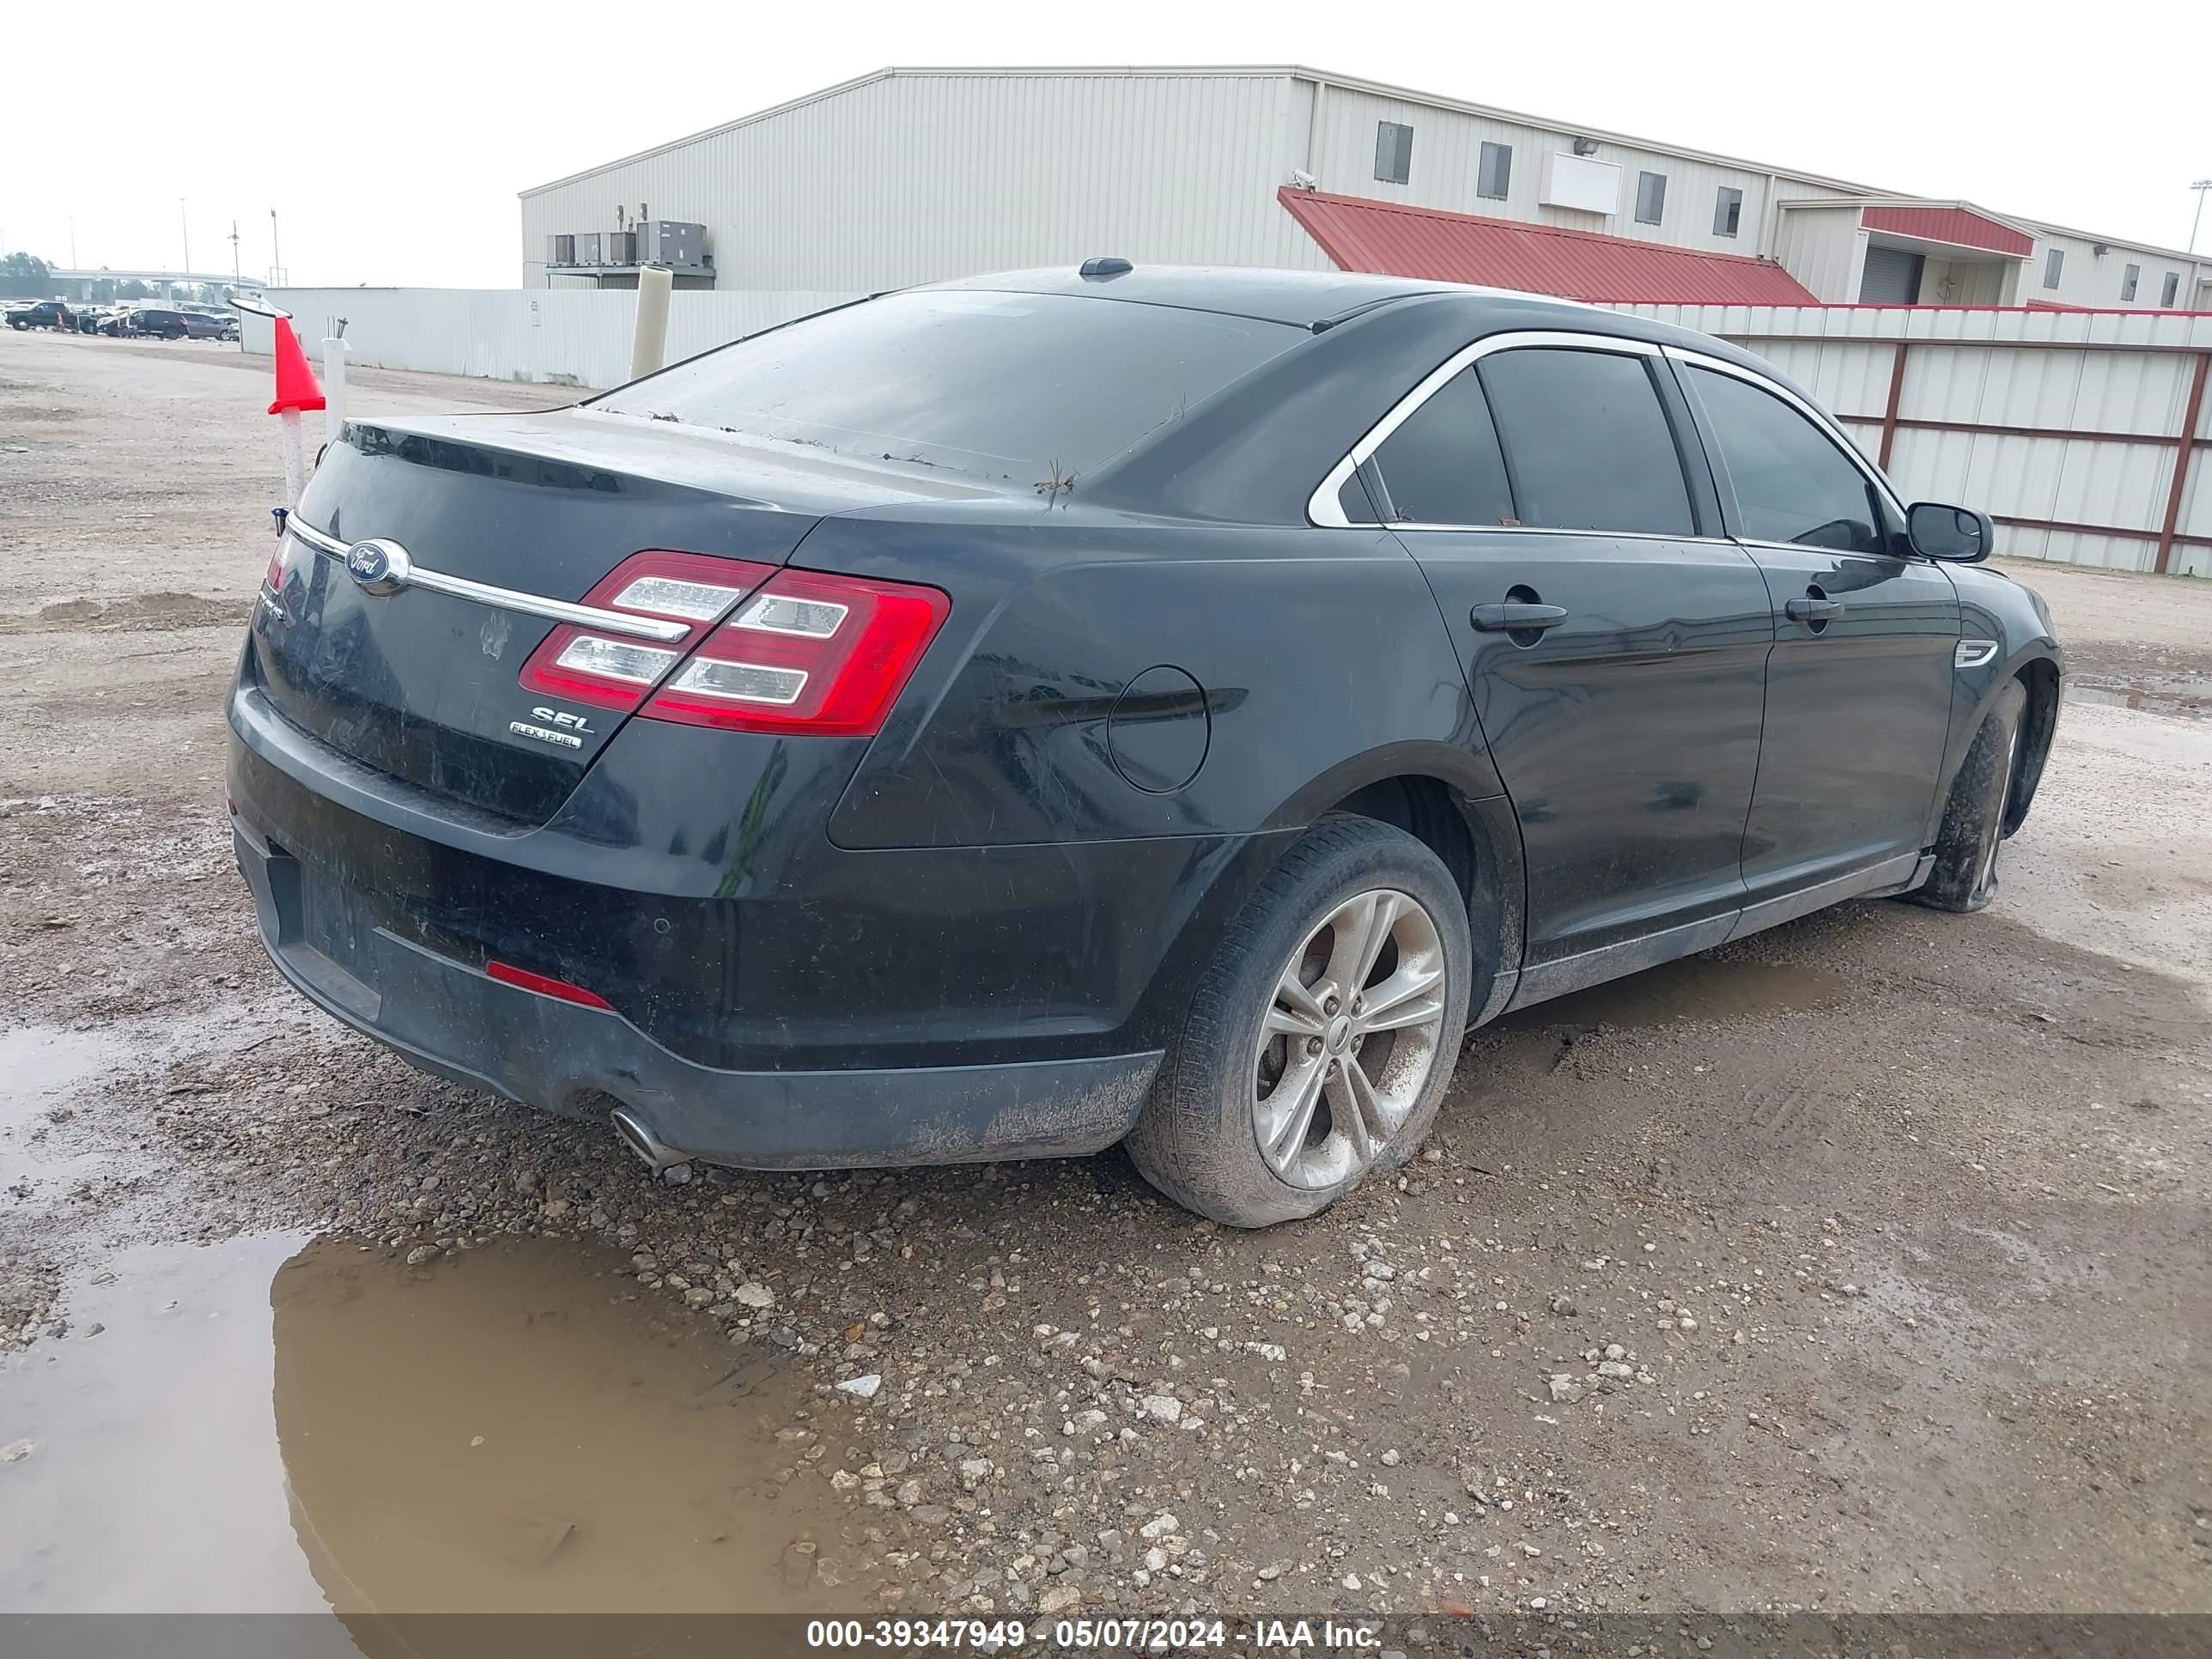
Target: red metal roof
x: 1960, y: 226
x: 1393, y: 239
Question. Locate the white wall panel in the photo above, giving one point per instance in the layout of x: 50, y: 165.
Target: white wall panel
x: 841, y: 193
x: 563, y: 336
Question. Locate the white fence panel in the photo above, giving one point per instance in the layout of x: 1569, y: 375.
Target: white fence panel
x: 2028, y: 415
x: 561, y: 336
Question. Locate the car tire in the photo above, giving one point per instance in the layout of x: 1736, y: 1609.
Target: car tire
x: 1964, y: 876
x: 1301, y: 1071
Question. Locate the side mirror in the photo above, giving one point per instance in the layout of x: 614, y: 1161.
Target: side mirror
x: 1958, y: 534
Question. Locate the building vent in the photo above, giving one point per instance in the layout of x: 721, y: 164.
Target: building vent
x: 1573, y: 181
x: 674, y: 242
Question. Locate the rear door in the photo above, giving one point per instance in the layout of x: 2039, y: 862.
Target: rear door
x: 1615, y: 653
x: 1858, y: 689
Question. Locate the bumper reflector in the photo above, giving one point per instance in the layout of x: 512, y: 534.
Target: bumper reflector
x: 546, y: 986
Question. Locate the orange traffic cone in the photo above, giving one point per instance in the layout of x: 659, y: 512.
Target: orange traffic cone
x: 296, y: 381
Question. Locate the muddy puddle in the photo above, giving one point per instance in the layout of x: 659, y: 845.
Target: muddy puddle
x: 2180, y: 693
x: 283, y: 1425
x: 41, y: 1068
x: 1697, y: 987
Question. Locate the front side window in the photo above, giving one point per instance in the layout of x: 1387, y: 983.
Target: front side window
x: 2129, y: 278
x: 1443, y: 465
x: 2054, y: 262
x: 1494, y: 177
x: 1792, y: 484
x: 1650, y: 197
x: 1393, y: 152
x: 1586, y: 441
x: 1728, y: 211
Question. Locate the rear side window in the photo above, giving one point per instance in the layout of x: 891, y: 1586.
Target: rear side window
x: 1792, y: 484
x: 1025, y: 388
x: 1586, y: 442
x: 1444, y: 465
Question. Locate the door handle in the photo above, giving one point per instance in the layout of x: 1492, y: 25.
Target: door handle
x: 1511, y: 618
x: 1814, y: 610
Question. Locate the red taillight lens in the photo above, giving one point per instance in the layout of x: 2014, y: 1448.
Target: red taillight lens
x: 280, y: 564
x: 612, y: 672
x: 824, y: 656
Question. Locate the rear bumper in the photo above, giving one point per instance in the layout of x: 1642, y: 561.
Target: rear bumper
x: 458, y: 1023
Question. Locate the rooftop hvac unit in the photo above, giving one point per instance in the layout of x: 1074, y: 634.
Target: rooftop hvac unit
x: 671, y: 242
x: 620, y: 247
x: 560, y: 250
x: 587, y: 248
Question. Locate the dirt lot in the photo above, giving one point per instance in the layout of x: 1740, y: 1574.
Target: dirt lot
x: 1870, y: 1256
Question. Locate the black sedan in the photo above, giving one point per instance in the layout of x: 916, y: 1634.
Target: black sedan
x: 1008, y: 718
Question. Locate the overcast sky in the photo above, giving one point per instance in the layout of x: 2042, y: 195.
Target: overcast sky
x: 392, y: 137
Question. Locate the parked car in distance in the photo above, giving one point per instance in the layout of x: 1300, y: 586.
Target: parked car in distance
x: 42, y: 313
x: 1066, y: 708
x: 158, y: 322
x: 210, y: 326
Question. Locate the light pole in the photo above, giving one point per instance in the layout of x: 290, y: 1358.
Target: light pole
x: 73, y: 239
x: 186, y: 225
x: 275, y: 252
x: 2200, y: 187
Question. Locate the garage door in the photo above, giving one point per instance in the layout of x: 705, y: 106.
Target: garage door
x: 1892, y: 278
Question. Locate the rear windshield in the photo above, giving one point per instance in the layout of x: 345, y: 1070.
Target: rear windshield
x: 1017, y: 386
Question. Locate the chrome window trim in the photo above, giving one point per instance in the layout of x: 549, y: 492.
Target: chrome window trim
x: 1321, y: 507
x: 1323, y: 510
x: 503, y: 598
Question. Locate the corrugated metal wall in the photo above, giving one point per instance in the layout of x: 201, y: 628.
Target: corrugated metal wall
x: 1041, y: 168
x: 916, y: 175
x: 1447, y: 153
x: 1823, y: 248
x: 2102, y: 378
x: 836, y: 192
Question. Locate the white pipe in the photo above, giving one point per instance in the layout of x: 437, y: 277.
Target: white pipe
x: 295, y: 456
x: 648, y: 346
x: 334, y: 396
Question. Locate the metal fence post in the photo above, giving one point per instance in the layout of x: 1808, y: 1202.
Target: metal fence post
x: 2182, y: 454
x: 1896, y: 391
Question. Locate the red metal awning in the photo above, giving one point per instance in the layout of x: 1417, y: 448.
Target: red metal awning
x: 1393, y: 239
x: 1959, y: 226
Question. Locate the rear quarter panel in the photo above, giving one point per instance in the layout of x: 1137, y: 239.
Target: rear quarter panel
x: 1320, y: 660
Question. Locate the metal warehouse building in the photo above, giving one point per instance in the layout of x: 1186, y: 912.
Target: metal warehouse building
x: 912, y: 175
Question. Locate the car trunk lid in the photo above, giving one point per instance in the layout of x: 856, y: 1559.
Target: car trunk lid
x: 422, y: 683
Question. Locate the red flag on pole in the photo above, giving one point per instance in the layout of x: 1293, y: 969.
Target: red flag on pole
x: 296, y: 381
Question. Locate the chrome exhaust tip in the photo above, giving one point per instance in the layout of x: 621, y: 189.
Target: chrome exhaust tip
x: 657, y: 1153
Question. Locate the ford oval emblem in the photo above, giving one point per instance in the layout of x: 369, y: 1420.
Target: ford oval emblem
x: 377, y: 567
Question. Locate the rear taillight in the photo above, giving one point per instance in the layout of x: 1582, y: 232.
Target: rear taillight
x: 280, y: 564
x: 824, y: 656
x: 612, y: 671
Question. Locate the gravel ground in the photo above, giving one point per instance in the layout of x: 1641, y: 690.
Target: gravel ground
x: 1860, y: 1267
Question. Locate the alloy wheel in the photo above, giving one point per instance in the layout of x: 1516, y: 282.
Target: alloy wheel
x: 1351, y: 1038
